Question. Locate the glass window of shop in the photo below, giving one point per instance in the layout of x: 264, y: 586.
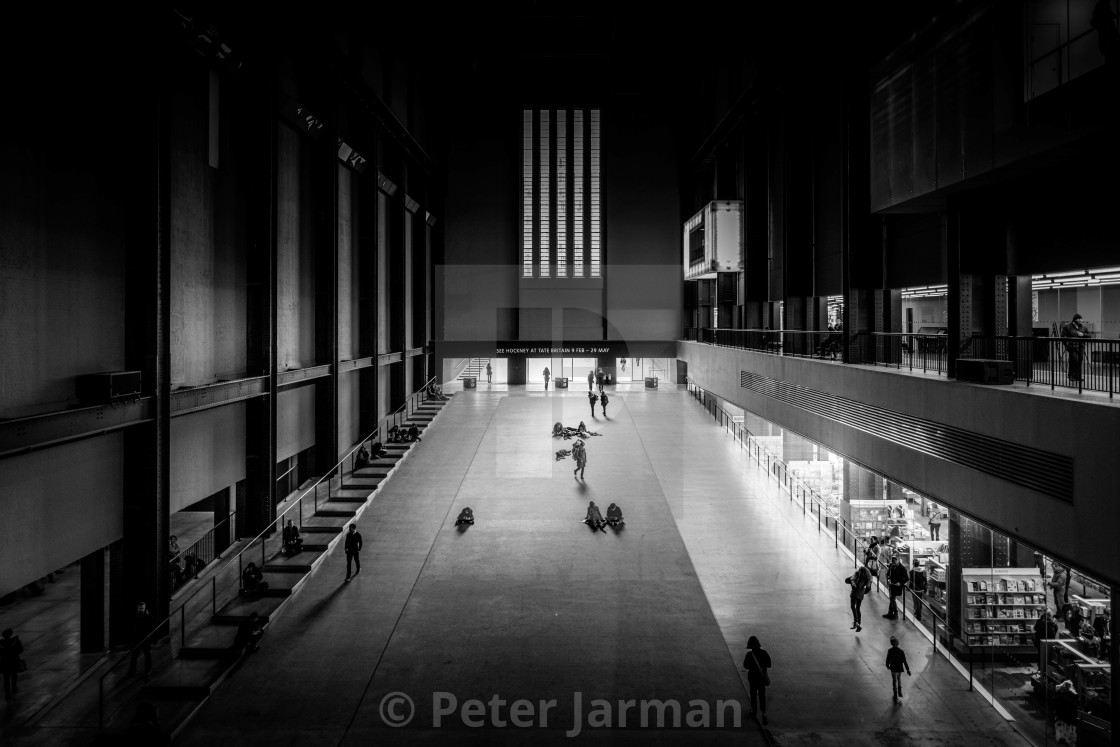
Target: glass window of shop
x: 1033, y: 631
x: 1036, y: 632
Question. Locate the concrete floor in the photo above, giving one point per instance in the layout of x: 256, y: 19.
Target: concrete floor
x: 529, y: 604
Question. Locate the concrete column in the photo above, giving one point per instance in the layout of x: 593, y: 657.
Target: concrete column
x: 121, y: 610
x: 221, y: 513
x: 92, y: 623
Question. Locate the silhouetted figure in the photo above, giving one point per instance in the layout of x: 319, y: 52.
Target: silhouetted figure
x: 614, y: 515
x: 547, y: 374
x: 1108, y: 37
x: 594, y: 519
x: 361, y: 459
x: 1074, y: 330
x: 10, y: 660
x: 142, y: 626
x: 252, y: 580
x: 353, y: 550
x: 249, y: 634
x: 466, y: 516
x: 293, y: 543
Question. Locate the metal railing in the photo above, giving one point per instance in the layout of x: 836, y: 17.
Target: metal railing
x: 812, y: 504
x: 1073, y: 363
x: 187, y: 564
x: 198, y: 609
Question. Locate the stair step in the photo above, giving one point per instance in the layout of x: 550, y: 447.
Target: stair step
x: 199, y: 652
x: 236, y: 619
x: 336, y: 512
x: 320, y: 530
x: 186, y: 679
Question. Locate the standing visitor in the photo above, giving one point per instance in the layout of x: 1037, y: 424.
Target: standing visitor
x: 547, y: 373
x: 141, y: 639
x: 579, y: 453
x: 590, y: 380
x: 897, y: 578
x: 757, y: 662
x: 935, y: 523
x: 1059, y: 582
x: 603, y: 402
x: 1074, y: 330
x: 592, y: 397
x: 896, y: 663
x: 489, y: 371
x: 918, y: 587
x: 353, y: 550
x: 599, y: 380
x: 861, y: 584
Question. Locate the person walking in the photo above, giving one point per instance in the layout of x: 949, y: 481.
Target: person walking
x: 592, y: 398
x: 1074, y: 330
x: 897, y: 578
x: 757, y: 662
x: 918, y: 587
x: 489, y: 372
x: 896, y: 663
x: 590, y: 380
x: 599, y: 380
x: 547, y: 373
x: 860, y: 582
x: 142, y: 626
x: 353, y: 550
x: 579, y: 453
x: 603, y: 403
x: 10, y: 661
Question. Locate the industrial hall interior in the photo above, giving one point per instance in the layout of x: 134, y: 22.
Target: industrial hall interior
x: 534, y: 373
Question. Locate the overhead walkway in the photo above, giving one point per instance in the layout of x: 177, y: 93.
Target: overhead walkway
x: 530, y: 605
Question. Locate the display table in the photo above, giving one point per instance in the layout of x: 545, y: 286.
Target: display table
x: 561, y: 382
x: 470, y: 382
x: 651, y: 382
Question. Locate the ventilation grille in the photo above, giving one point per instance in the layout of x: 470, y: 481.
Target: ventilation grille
x: 1039, y: 470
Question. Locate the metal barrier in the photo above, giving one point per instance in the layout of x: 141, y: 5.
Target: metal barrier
x: 1073, y: 363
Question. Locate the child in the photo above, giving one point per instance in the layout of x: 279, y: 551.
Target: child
x: 896, y: 662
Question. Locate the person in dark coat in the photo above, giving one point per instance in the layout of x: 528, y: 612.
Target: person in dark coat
x: 547, y: 374
x: 918, y: 584
x: 594, y: 519
x: 1065, y: 713
x: 353, y: 550
x: 614, y: 515
x: 252, y: 579
x: 10, y: 650
x: 590, y: 380
x: 361, y: 459
x: 757, y: 662
x: 896, y: 663
x: 861, y: 584
x: 603, y: 403
x: 592, y: 397
x: 897, y: 578
x: 142, y: 626
x: 293, y: 543
x: 466, y: 516
x: 249, y: 634
x: 579, y: 453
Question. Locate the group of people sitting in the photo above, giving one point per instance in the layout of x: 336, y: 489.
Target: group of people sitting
x: 559, y: 430
x: 435, y: 391
x: 397, y: 434
x: 595, y: 520
x: 364, y: 458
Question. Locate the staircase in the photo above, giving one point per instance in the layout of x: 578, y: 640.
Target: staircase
x: 476, y: 368
x: 207, y: 655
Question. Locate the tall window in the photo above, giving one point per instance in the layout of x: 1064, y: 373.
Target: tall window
x: 560, y: 202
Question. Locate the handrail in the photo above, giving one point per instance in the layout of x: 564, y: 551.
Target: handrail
x: 805, y: 492
x: 1070, y: 362
x: 193, y: 550
x: 278, y: 521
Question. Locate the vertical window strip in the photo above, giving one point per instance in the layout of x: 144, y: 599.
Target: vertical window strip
x: 527, y: 197
x: 595, y: 246
x: 546, y: 253
x: 561, y: 194
x: 577, y: 193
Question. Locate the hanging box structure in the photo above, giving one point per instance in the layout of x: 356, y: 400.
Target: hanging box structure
x: 108, y: 386
x: 713, y: 240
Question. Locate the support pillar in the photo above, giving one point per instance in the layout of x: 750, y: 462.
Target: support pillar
x: 92, y: 623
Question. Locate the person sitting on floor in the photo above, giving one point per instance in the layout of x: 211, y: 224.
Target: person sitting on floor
x: 249, y: 634
x: 413, y: 434
x: 395, y: 435
x: 466, y: 516
x: 252, y: 580
x: 434, y: 391
x: 594, y: 519
x: 378, y: 450
x: 557, y: 429
x: 361, y: 459
x: 614, y: 515
x: 293, y: 543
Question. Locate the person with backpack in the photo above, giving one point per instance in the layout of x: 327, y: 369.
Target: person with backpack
x: 757, y: 663
x: 918, y: 587
x: 860, y: 582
